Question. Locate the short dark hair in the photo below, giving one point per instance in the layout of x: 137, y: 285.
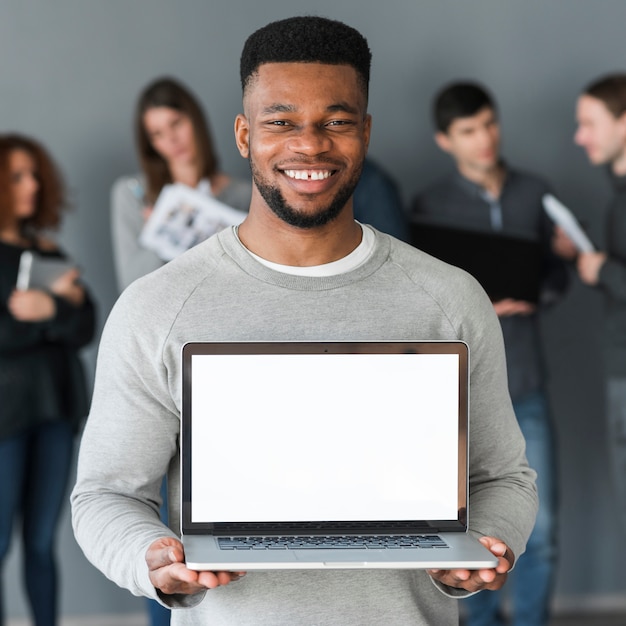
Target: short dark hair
x: 610, y: 89
x: 306, y: 39
x: 172, y: 94
x: 457, y: 100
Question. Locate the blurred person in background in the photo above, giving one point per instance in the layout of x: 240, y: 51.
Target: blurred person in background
x: 485, y: 194
x: 601, y: 131
x: 42, y: 383
x: 174, y: 145
x: 378, y: 202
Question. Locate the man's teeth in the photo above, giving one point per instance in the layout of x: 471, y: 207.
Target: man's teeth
x: 308, y: 174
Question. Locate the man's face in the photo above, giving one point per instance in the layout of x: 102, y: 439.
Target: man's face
x: 599, y: 132
x: 305, y: 131
x: 473, y: 142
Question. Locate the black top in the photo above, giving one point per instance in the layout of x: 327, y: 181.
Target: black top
x: 612, y: 281
x: 41, y: 375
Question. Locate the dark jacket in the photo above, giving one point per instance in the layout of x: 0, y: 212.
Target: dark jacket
x: 41, y: 375
x: 612, y: 281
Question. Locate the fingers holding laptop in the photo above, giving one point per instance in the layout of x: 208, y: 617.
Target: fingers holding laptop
x: 475, y: 580
x: 168, y: 573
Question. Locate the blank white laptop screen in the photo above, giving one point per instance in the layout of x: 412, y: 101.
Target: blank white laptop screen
x: 318, y: 437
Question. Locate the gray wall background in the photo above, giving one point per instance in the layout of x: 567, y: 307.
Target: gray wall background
x: 70, y: 71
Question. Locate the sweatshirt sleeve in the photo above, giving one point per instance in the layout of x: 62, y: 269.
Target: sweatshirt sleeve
x: 503, y: 497
x: 116, y: 499
x: 502, y: 493
x: 131, y: 259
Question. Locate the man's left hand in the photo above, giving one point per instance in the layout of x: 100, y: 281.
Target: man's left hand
x: 562, y: 245
x: 589, y: 265
x: 475, y: 580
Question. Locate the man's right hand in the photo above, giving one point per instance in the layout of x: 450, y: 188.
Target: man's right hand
x: 509, y: 306
x: 168, y: 573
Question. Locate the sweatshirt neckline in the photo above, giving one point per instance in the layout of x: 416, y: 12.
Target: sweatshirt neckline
x: 236, y: 251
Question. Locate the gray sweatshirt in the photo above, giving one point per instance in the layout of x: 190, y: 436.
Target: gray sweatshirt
x: 217, y: 291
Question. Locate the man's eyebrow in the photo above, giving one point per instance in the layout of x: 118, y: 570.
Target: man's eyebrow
x: 279, y: 108
x: 291, y: 108
x: 342, y: 107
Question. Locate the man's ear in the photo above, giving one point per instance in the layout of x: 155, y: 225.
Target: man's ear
x: 367, y: 127
x: 621, y: 121
x: 443, y: 141
x: 242, y: 135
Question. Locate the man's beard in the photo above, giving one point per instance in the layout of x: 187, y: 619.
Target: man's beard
x: 277, y: 203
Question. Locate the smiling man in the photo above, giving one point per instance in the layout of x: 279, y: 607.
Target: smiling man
x: 298, y: 268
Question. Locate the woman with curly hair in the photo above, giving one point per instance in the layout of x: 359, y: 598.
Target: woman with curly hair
x: 42, y: 383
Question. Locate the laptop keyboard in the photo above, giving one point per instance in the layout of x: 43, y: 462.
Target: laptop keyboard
x: 358, y: 542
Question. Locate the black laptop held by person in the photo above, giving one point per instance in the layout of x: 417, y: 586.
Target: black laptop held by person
x: 506, y: 266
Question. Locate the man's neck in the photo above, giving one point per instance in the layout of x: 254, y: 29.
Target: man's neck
x: 491, y: 179
x: 619, y: 165
x: 267, y: 236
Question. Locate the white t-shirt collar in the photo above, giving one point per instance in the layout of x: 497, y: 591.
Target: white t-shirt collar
x: 348, y: 263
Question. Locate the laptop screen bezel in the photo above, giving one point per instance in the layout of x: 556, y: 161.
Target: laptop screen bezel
x: 455, y: 347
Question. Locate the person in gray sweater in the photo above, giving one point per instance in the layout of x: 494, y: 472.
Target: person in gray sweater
x: 298, y: 267
x: 174, y: 145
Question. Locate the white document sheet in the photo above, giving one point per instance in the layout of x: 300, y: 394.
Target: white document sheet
x: 564, y: 218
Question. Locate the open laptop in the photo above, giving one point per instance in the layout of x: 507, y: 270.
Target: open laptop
x: 506, y: 266
x: 300, y: 455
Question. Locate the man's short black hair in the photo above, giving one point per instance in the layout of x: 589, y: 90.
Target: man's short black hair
x: 306, y: 39
x: 460, y: 100
x: 610, y: 89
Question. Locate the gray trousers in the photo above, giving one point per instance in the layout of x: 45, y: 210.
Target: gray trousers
x: 616, y: 414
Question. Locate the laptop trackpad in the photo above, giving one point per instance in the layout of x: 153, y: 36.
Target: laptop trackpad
x: 332, y: 558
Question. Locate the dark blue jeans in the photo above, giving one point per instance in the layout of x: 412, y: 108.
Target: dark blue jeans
x: 616, y: 415
x: 531, y: 582
x: 159, y: 615
x: 34, y: 473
